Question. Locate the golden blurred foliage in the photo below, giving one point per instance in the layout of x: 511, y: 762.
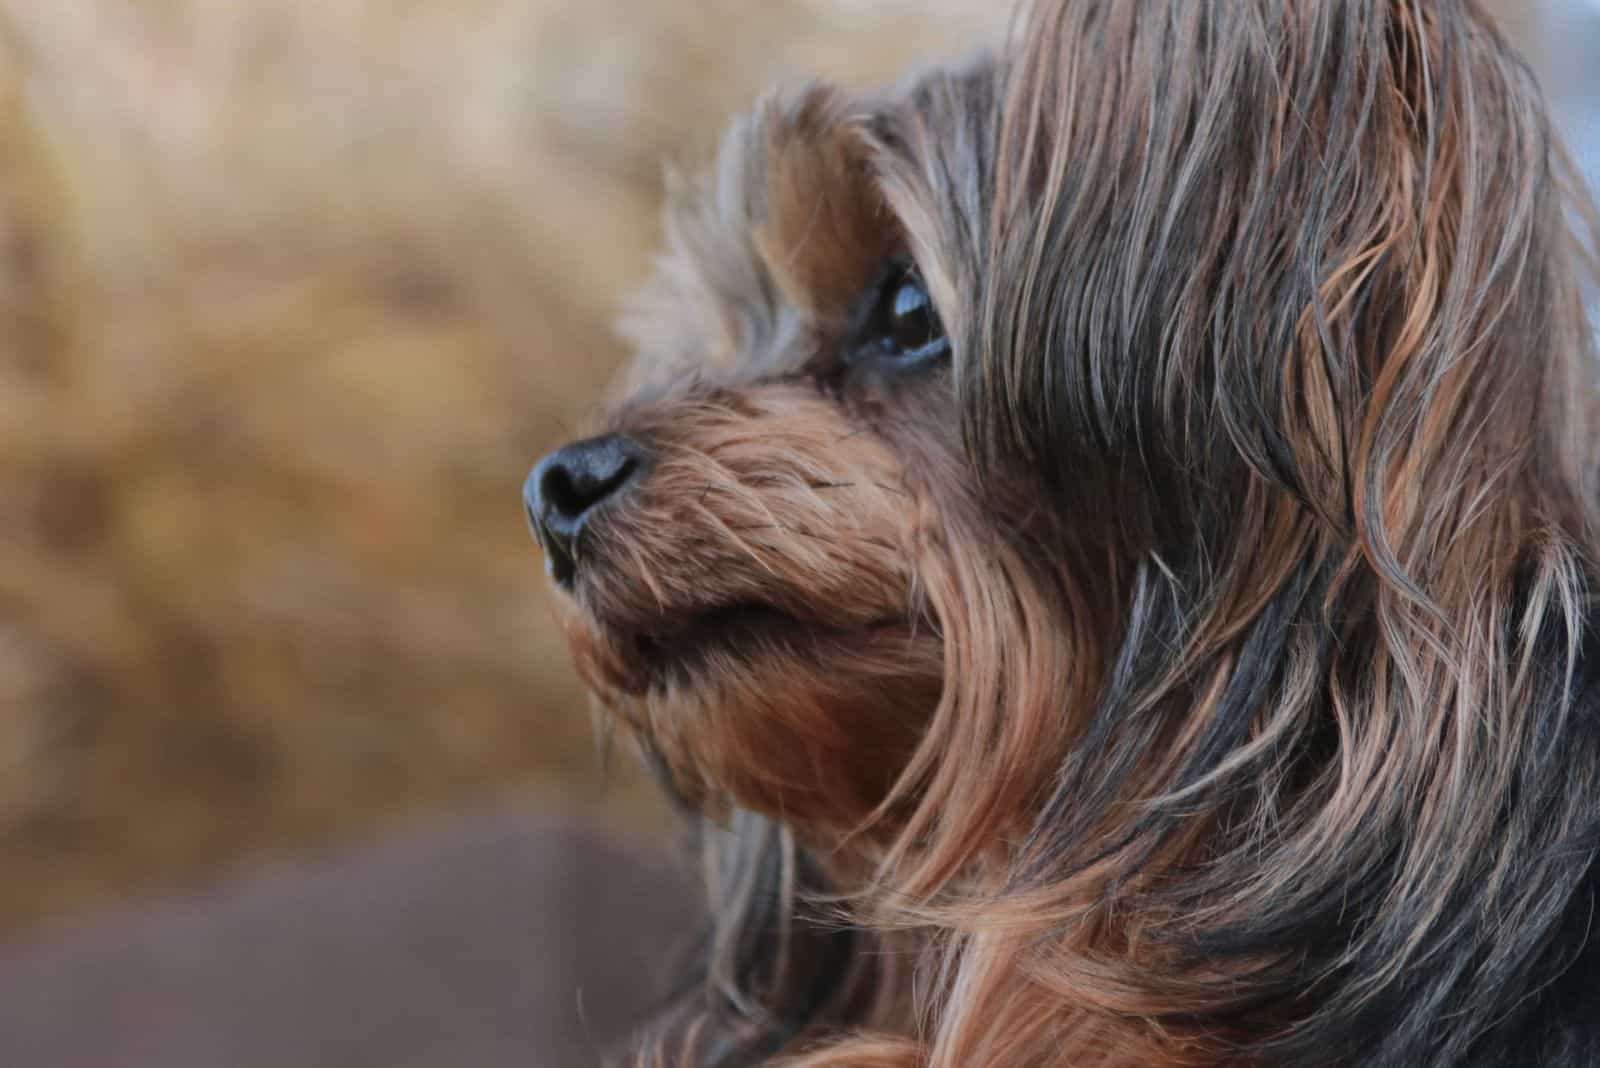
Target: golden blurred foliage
x: 292, y: 293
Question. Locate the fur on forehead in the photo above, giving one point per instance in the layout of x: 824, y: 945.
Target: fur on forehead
x: 772, y: 244
x: 811, y: 194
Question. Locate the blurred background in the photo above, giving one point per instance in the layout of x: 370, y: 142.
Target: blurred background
x: 292, y: 293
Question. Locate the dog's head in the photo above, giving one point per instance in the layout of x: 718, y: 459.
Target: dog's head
x: 754, y: 553
x: 1126, y: 500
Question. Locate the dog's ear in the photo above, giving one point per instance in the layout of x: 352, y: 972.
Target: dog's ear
x: 1281, y: 299
x: 1301, y: 242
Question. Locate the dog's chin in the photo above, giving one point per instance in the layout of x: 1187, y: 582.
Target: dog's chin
x: 766, y: 707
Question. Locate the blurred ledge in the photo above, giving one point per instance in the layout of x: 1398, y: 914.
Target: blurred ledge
x: 502, y: 935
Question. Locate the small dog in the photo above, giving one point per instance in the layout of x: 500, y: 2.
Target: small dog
x: 1104, y: 533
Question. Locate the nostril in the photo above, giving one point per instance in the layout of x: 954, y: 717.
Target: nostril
x: 560, y: 494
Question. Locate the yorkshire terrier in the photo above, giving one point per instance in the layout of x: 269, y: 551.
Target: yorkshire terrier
x: 1104, y: 535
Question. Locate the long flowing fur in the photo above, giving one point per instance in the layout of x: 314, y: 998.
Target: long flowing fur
x: 1202, y: 670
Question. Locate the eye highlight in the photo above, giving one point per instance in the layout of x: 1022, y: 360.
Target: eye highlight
x: 901, y: 328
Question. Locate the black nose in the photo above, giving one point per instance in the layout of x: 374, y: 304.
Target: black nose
x: 569, y: 486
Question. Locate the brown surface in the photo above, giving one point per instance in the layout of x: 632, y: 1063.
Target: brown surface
x: 494, y: 939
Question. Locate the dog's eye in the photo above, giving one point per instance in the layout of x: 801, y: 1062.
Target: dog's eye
x: 902, y: 329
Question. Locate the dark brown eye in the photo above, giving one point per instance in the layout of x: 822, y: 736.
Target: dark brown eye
x: 902, y: 329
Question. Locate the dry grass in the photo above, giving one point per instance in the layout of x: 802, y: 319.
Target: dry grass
x: 291, y: 294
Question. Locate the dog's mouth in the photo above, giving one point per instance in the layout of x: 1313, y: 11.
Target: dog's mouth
x: 676, y: 649
x: 671, y: 654
x: 732, y: 628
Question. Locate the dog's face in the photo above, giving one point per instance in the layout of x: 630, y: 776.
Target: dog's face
x: 782, y: 563
x: 1133, y: 493
x: 750, y: 556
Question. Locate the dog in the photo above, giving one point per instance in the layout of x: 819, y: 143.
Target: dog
x: 1103, y: 536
